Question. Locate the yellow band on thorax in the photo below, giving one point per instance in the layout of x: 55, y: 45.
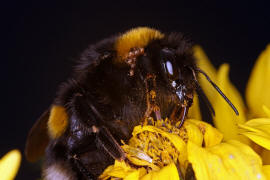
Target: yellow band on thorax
x: 135, y: 38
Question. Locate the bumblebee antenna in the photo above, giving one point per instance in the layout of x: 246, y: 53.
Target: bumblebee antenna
x: 202, y: 94
x: 218, y: 90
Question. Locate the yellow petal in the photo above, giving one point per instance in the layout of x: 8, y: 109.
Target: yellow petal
x: 9, y: 165
x: 133, y: 176
x: 258, y: 87
x: 258, y: 130
x: 194, y: 132
x: 266, y: 111
x: 262, y: 124
x: 136, y: 175
x: 211, y: 135
x: 203, y: 63
x: 231, y: 160
x: 168, y: 172
x: 194, y: 110
x: 121, y: 170
x: 226, y: 120
x: 266, y: 170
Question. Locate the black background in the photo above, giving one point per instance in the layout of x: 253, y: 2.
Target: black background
x: 41, y: 39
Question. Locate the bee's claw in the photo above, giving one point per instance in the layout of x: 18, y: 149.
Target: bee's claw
x: 182, y: 116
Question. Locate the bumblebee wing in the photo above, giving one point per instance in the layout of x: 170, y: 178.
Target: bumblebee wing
x: 37, y: 139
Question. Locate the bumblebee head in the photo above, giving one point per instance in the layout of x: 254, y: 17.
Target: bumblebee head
x: 176, y: 72
x: 168, y: 57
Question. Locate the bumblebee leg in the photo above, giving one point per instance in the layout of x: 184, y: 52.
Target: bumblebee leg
x: 179, y: 114
x: 150, y: 85
x: 173, y: 114
x: 182, y: 116
x: 106, y: 142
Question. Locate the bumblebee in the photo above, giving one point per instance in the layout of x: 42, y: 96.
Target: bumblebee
x: 117, y: 83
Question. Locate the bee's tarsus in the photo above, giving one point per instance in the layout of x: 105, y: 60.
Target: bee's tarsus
x: 182, y: 116
x: 107, y: 142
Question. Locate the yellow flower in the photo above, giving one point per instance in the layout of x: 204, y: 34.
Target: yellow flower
x: 9, y: 165
x: 258, y: 100
x: 160, y: 149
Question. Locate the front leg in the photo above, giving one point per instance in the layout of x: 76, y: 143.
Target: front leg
x: 180, y: 110
x: 150, y: 84
x: 106, y: 142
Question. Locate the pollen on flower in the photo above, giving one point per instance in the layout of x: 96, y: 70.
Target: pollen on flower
x: 157, y: 144
x: 160, y: 149
x: 154, y: 145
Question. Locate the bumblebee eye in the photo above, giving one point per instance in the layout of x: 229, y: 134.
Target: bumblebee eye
x: 169, y: 67
x: 171, y: 70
